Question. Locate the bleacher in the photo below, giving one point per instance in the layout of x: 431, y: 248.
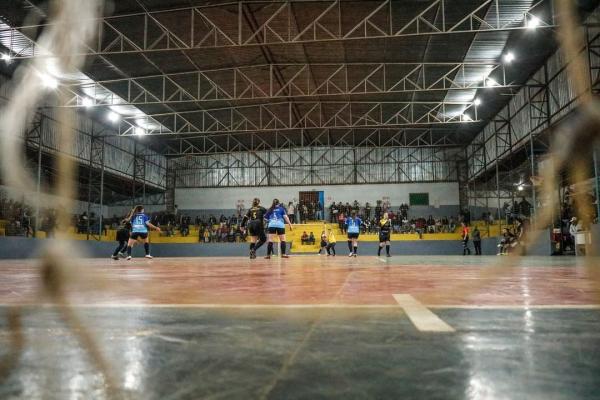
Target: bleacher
x: 316, y: 227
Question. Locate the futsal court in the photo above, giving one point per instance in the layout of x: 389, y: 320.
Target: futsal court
x: 300, y: 199
x: 318, y: 327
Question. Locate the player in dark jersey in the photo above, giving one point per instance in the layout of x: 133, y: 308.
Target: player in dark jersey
x: 122, y: 238
x: 385, y: 230
x: 277, y: 218
x: 253, y: 221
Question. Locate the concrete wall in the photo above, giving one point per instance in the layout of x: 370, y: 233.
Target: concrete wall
x: 225, y: 200
x: 20, y: 248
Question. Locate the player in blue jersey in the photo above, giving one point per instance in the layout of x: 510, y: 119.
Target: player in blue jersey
x: 140, y: 223
x: 353, y: 224
x: 276, y: 218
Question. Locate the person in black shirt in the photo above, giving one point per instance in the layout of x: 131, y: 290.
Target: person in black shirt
x: 122, y: 238
x: 254, y: 217
x: 378, y: 210
x: 385, y: 228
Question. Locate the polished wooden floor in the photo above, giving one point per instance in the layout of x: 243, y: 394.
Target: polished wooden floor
x: 311, y: 281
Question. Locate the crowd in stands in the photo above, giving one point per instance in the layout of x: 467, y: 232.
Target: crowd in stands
x: 401, y: 222
x: 20, y: 218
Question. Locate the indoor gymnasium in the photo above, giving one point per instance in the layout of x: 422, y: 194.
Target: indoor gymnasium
x: 299, y: 199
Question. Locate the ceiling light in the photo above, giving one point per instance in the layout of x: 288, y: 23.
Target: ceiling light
x: 113, y: 116
x: 466, y: 117
x: 520, y: 188
x: 508, y: 57
x: 87, y: 102
x: 477, y: 101
x: 533, y: 22
x: 139, y: 131
x: 6, y: 58
x: 48, y: 81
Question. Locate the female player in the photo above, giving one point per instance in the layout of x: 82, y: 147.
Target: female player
x: 331, y: 243
x: 276, y: 216
x: 122, y: 238
x: 385, y: 228
x: 353, y: 224
x: 323, y: 242
x: 140, y: 223
x: 256, y: 228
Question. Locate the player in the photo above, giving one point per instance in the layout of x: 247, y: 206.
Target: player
x: 139, y: 230
x: 385, y: 229
x: 323, y: 244
x: 331, y: 241
x: 122, y: 238
x: 276, y: 216
x: 256, y: 229
x: 353, y: 224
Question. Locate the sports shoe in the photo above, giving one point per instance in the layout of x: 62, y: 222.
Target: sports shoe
x: 252, y: 255
x: 128, y: 258
x: 267, y: 257
x: 115, y: 257
x: 354, y: 255
x: 285, y: 256
x: 351, y: 254
x: 122, y: 254
x: 389, y: 255
x: 148, y: 256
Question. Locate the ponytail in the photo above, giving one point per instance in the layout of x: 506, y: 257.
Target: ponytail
x: 134, y: 210
x: 275, y: 204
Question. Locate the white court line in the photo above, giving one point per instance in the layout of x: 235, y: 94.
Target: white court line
x: 421, y: 317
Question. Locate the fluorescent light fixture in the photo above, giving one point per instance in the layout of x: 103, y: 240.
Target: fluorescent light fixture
x: 477, y: 101
x: 508, y: 58
x: 466, y: 117
x: 520, y: 188
x: 113, y: 116
x: 6, y: 57
x: 139, y: 131
x: 87, y: 102
x: 533, y: 22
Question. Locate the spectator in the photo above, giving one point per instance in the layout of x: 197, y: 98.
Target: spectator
x: 291, y: 212
x: 506, y: 242
x: 311, y: 238
x: 304, y: 238
x: 525, y: 208
x: 477, y: 241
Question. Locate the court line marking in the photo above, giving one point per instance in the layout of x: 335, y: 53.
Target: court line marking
x: 421, y: 317
x: 326, y: 305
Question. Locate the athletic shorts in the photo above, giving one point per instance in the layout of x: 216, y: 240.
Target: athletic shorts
x: 353, y: 235
x: 384, y: 236
x: 139, y: 235
x: 277, y: 231
x: 256, y: 228
x: 323, y: 243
